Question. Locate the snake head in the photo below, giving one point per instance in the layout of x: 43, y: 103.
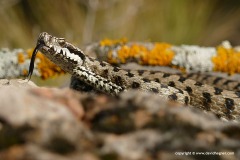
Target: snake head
x: 60, y: 52
x: 47, y: 40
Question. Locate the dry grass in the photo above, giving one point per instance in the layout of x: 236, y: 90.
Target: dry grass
x: 174, y: 21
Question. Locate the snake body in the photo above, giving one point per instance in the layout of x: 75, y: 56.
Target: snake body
x: 220, y: 82
x: 222, y: 102
x: 112, y: 80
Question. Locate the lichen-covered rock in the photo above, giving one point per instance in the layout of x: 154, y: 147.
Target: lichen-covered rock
x: 39, y: 123
x: 26, y: 116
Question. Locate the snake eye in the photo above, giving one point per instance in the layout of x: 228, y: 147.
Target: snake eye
x: 61, y: 41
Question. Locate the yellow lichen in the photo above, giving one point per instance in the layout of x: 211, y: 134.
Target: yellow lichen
x: 111, y: 58
x: 227, y: 60
x: 109, y: 42
x: 160, y: 54
x: 45, y: 66
x: 25, y: 72
x: 133, y: 52
x: 21, y: 58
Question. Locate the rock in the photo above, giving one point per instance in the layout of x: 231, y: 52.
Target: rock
x: 66, y: 97
x: 17, y: 83
x: 49, y: 123
x: 33, y: 152
x: 133, y: 145
x: 27, y: 116
x: 143, y: 126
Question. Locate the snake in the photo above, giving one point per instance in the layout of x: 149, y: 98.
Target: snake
x: 217, y: 81
x: 102, y: 76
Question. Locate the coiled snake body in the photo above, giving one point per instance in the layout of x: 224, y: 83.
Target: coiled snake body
x: 109, y: 79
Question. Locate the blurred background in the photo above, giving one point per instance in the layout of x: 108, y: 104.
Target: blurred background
x: 201, y: 22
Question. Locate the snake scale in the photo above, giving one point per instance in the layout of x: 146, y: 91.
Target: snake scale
x: 112, y: 80
x: 220, y: 82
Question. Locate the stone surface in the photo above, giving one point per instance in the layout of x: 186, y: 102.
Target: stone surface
x: 40, y: 123
x: 48, y: 121
x: 23, y: 83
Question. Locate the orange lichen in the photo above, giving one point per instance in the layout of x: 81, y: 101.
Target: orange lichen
x: 109, y: 42
x: 111, y: 58
x: 134, y: 52
x: 45, y: 66
x: 25, y: 72
x: 160, y: 54
x: 21, y: 58
x: 227, y: 60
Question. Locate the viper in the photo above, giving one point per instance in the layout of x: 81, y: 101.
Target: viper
x: 102, y: 76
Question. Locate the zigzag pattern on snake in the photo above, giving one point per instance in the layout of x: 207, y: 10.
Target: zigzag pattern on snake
x: 112, y: 80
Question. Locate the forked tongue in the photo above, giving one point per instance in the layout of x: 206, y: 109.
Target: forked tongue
x: 31, y: 66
